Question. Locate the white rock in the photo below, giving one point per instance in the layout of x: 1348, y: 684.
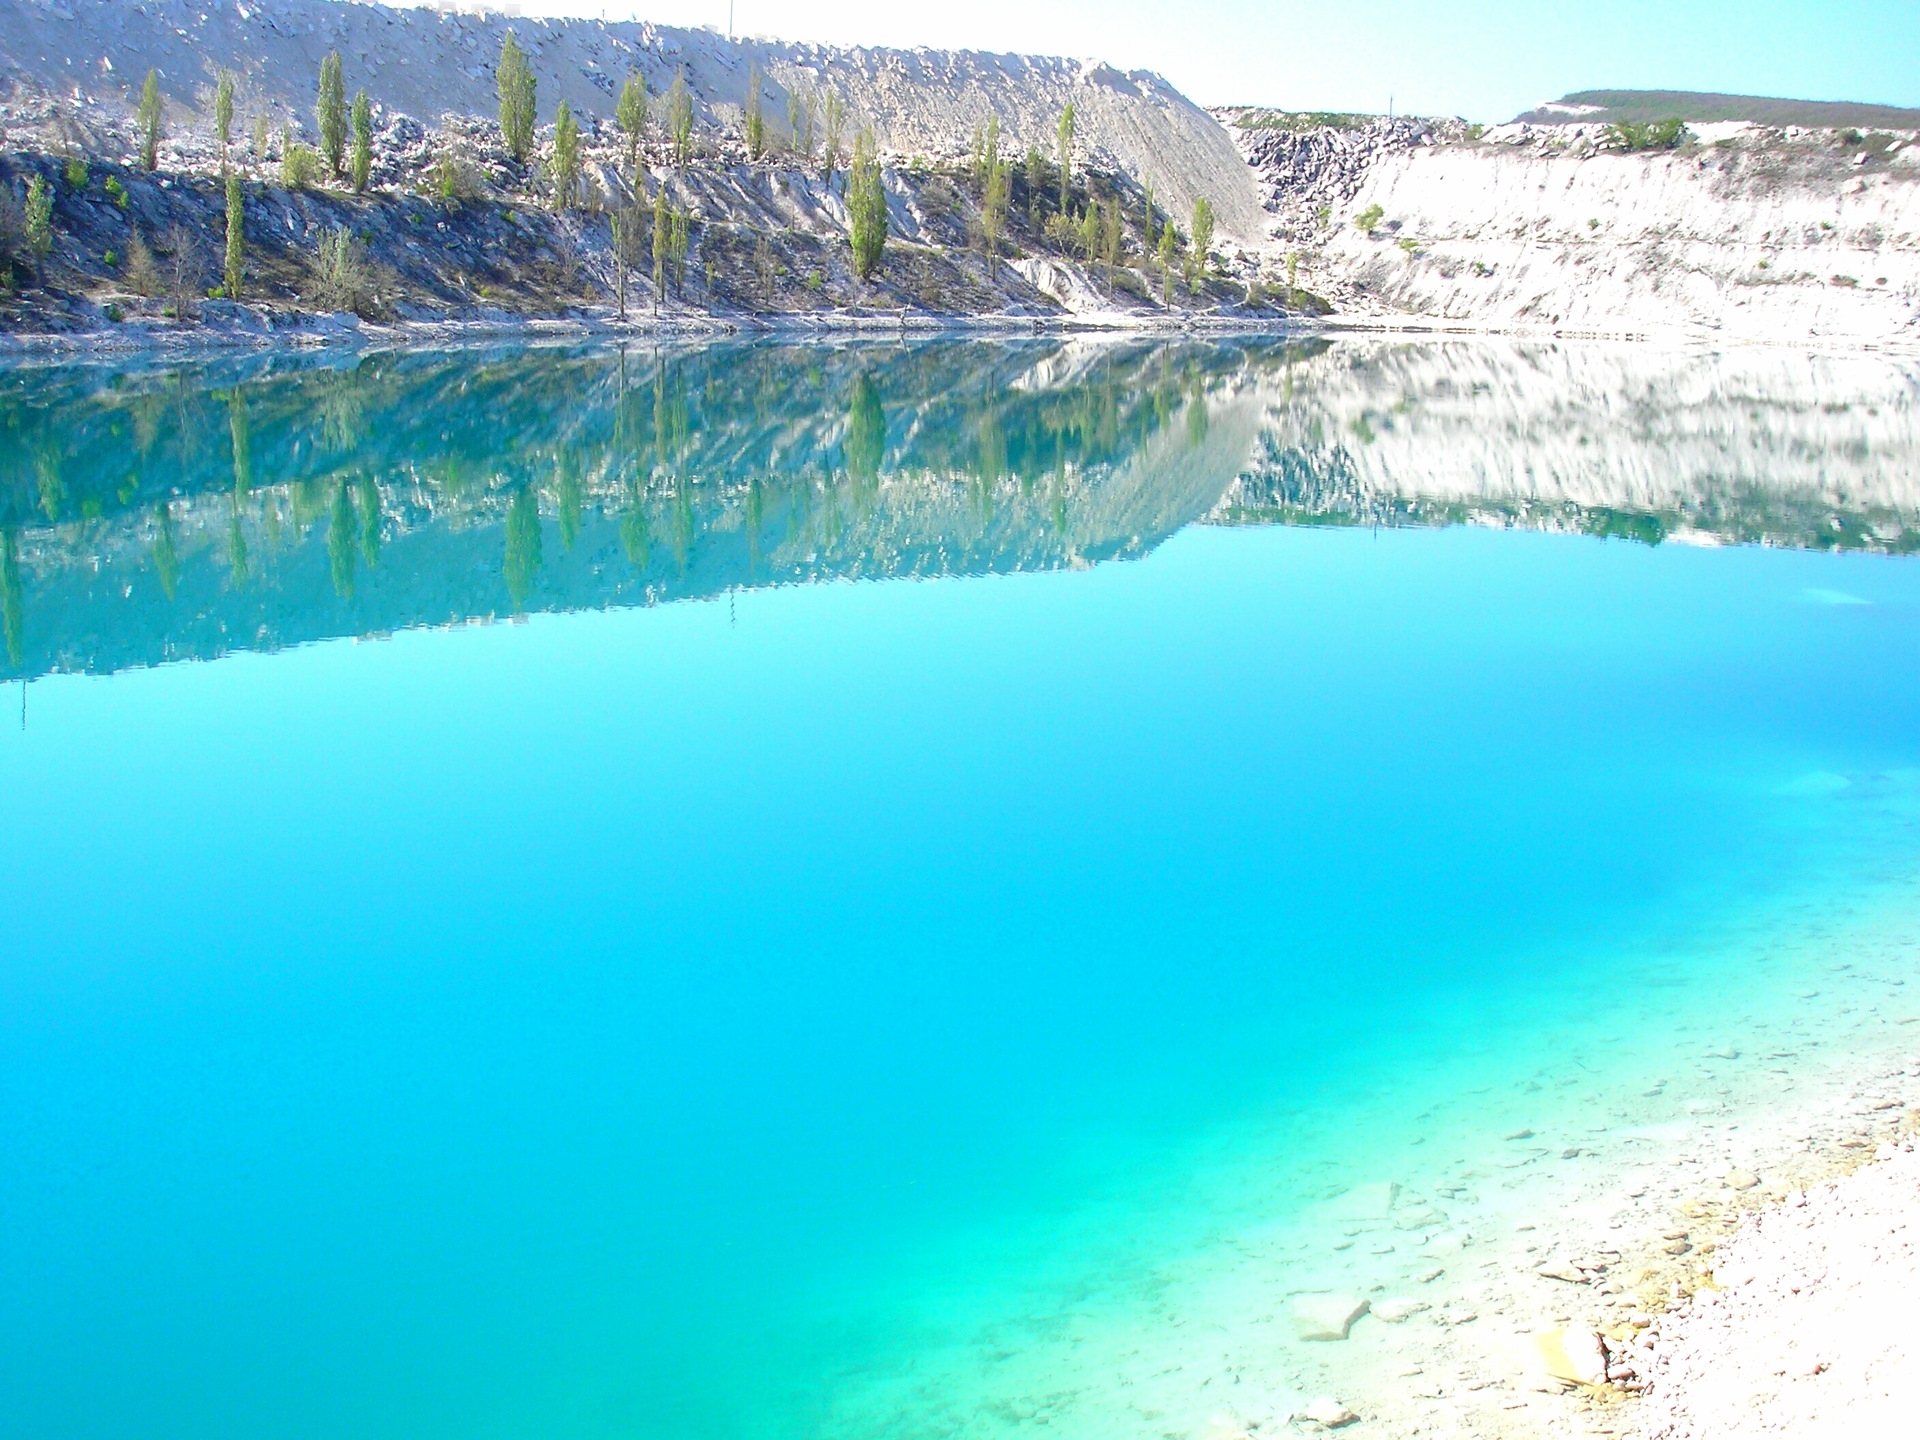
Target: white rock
x: 1329, y: 1412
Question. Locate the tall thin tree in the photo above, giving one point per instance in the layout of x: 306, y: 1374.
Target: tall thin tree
x: 1202, y: 240
x: 223, y: 115
x: 662, y: 245
x: 519, y: 94
x: 631, y: 116
x: 236, y: 258
x: 566, y: 157
x: 150, y: 121
x: 756, y: 119
x: 39, y: 224
x: 680, y: 118
x: 362, y: 164
x: 866, y: 207
x: 1065, y: 138
x: 331, y: 112
x: 834, y: 124
x: 800, y: 122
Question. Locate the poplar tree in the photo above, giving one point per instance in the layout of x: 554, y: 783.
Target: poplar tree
x: 518, y: 91
x: 800, y: 121
x: 566, y: 157
x: 835, y: 122
x: 39, y: 224
x: 331, y: 112
x: 680, y: 118
x: 1036, y: 181
x: 236, y: 238
x: 1066, y: 156
x: 1202, y: 240
x: 677, y: 239
x: 631, y: 116
x: 362, y: 142
x: 866, y: 208
x: 223, y: 115
x: 1168, y: 242
x: 150, y: 118
x: 993, y: 207
x: 662, y: 245
x: 628, y: 229
x: 756, y: 120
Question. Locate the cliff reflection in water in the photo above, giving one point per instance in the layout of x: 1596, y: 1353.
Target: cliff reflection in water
x: 157, y: 514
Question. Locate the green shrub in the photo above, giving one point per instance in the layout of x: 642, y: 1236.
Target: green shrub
x: 300, y: 166
x: 111, y: 259
x: 456, y: 179
x: 77, y: 173
x: 341, y: 281
x: 1368, y: 220
x: 1632, y: 135
x: 116, y: 192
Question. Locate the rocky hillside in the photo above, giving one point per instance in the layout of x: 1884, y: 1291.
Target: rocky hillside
x: 91, y: 55
x: 1736, y: 229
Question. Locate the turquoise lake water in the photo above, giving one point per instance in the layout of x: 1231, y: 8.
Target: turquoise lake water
x: 938, y: 821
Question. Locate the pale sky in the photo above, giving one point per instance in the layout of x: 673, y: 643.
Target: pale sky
x: 1484, y: 59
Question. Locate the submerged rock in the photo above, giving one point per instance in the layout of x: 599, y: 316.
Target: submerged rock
x: 1329, y: 1412
x: 1326, y: 1317
x: 1394, y: 1311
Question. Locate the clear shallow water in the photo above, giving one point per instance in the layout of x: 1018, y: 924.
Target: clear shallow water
x: 695, y: 1017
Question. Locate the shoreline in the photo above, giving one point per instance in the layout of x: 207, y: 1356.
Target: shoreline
x: 1801, y: 1331
x: 310, y: 332
x: 1431, y: 1274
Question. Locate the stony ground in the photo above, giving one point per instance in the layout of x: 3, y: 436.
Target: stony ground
x: 1811, y: 1330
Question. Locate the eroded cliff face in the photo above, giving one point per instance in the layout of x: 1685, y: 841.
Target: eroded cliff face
x: 1743, y: 232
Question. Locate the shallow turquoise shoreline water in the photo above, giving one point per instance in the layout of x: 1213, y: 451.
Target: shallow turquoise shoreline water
x: 777, y: 1015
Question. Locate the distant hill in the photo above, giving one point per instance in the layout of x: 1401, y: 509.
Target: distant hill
x: 1608, y: 106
